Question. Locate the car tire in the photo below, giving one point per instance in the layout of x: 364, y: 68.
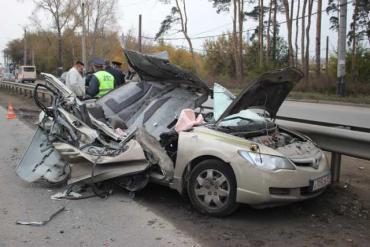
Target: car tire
x: 212, y: 188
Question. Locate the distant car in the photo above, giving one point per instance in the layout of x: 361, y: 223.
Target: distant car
x: 26, y: 73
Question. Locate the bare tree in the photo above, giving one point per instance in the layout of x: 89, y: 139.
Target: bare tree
x: 61, y: 12
x: 303, y: 26
x: 289, y: 27
x: 99, y: 15
x: 296, y: 32
x: 178, y: 16
x: 235, y: 41
x: 307, y: 56
x: 268, y: 41
x: 260, y: 32
x: 240, y: 6
x: 318, y: 38
x: 274, y: 31
x: 354, y: 40
x: 238, y: 14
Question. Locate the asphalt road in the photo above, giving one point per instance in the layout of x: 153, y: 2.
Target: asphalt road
x: 323, y: 112
x: 116, y: 221
x: 331, y: 113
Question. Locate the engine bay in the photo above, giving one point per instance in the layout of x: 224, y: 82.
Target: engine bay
x: 275, y: 140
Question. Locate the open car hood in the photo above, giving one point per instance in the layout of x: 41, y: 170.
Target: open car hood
x: 266, y: 92
x: 158, y: 68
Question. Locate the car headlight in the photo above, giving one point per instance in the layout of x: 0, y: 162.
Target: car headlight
x: 267, y: 162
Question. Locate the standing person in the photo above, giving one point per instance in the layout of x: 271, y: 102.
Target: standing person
x: 117, y: 65
x: 119, y: 77
x: 74, y: 80
x: 101, y: 82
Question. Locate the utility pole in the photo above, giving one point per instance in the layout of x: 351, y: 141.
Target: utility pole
x: 341, y: 67
x: 25, y: 47
x: 327, y: 56
x: 139, y: 38
x: 83, y: 45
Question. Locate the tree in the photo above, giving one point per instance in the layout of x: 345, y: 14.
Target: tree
x: 318, y: 38
x: 14, y: 50
x: 360, y: 28
x: 237, y: 33
x: 289, y: 22
x: 260, y: 32
x: 61, y: 12
x: 240, y: 13
x: 178, y: 16
x: 220, y: 63
x: 219, y: 59
x: 333, y: 11
x: 303, y: 26
x: 100, y: 15
x: 274, y: 31
x: 307, y: 56
x: 296, y: 33
x: 268, y: 41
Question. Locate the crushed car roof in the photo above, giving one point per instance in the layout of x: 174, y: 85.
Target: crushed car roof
x: 155, y: 68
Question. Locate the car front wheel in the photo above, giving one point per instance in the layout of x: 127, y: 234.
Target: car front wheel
x: 212, y: 188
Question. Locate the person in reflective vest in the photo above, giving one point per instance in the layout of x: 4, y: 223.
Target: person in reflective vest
x: 101, y: 81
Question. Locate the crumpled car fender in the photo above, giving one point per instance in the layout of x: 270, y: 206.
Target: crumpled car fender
x: 42, y: 161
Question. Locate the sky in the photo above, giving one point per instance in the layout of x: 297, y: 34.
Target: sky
x: 203, y: 21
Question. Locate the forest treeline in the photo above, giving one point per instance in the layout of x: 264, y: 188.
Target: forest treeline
x: 231, y: 58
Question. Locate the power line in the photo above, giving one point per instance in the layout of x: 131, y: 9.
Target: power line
x: 225, y: 34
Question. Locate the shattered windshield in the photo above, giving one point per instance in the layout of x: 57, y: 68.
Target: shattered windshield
x: 222, y: 98
x: 243, y: 118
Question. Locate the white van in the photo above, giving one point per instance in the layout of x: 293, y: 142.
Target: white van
x: 26, y: 73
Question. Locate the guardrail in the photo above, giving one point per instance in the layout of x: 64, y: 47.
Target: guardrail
x: 338, y: 139
x: 23, y: 89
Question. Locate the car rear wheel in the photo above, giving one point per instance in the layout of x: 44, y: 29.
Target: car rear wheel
x: 212, y: 188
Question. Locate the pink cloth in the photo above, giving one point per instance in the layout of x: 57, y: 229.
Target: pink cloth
x: 187, y: 120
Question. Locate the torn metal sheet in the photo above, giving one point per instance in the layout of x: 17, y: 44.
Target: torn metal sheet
x: 40, y: 223
x: 65, y: 194
x: 81, y: 173
x: 42, y: 161
x: 156, y: 152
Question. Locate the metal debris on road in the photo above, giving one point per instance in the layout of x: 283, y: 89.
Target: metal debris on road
x: 40, y: 223
x: 65, y: 195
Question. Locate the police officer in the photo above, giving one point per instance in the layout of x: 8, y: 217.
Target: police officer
x: 101, y: 82
x: 119, y: 77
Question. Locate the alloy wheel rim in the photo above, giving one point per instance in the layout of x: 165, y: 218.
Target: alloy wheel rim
x: 212, y: 189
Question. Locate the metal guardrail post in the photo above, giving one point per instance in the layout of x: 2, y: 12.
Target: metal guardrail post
x: 335, y: 166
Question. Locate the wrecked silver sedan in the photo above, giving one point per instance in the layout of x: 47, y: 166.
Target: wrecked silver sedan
x: 158, y: 129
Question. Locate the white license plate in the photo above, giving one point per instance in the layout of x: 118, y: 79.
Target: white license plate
x: 320, y: 182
